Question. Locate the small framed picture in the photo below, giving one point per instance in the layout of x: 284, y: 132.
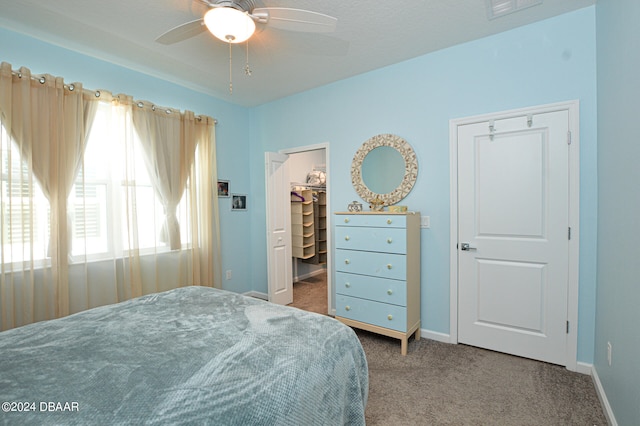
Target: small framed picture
x: 238, y: 202
x: 223, y: 188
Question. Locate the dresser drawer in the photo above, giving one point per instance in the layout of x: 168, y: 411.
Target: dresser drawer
x: 387, y: 240
x: 372, y: 288
x: 376, y: 313
x: 385, y: 265
x: 375, y: 220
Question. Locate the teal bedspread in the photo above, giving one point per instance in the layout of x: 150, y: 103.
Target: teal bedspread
x: 194, y: 355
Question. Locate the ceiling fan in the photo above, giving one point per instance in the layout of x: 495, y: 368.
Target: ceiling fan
x: 234, y: 21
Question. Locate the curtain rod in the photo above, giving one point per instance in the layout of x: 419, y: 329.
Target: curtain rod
x: 71, y: 87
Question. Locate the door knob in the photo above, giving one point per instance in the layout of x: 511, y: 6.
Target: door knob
x: 467, y: 247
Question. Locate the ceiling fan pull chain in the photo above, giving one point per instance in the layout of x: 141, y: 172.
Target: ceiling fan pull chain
x: 247, y: 70
x: 230, y: 72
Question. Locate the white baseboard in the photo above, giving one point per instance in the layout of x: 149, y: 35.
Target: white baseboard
x: 606, y: 407
x: 584, y: 368
x: 434, y: 335
x: 309, y: 275
x: 257, y: 295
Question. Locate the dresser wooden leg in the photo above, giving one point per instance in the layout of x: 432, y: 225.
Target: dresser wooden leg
x: 403, y: 346
x: 418, y: 334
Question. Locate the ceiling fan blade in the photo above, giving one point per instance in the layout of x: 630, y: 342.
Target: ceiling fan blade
x: 182, y: 32
x: 285, y: 18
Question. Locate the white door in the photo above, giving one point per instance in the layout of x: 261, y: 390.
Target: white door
x: 280, y: 276
x: 513, y: 213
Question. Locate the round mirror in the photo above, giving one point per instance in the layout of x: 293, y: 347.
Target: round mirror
x: 382, y: 169
x: 385, y: 167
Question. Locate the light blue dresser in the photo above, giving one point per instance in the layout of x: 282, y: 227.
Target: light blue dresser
x: 377, y: 257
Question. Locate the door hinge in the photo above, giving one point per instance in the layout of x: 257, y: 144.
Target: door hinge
x: 569, y: 137
x: 567, y: 327
x: 569, y: 233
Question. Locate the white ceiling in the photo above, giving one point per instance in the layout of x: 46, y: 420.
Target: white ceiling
x: 370, y: 34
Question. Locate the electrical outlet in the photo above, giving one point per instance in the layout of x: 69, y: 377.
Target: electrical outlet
x: 609, y: 349
x: 425, y: 222
x: 228, y: 274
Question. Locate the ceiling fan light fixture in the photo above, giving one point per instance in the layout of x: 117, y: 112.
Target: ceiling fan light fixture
x: 229, y: 24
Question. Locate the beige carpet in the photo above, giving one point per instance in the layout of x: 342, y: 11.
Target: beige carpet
x: 443, y: 384
x: 310, y: 294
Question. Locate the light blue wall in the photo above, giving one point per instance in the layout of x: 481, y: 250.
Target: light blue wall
x: 550, y: 61
x: 232, y: 131
x: 546, y: 62
x: 618, y: 307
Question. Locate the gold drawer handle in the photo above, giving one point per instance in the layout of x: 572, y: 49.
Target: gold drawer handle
x: 346, y: 220
x: 389, y: 266
x: 347, y: 261
x: 347, y: 308
x: 390, y: 317
x: 389, y: 221
x: 389, y: 240
x: 347, y: 238
x: 389, y: 292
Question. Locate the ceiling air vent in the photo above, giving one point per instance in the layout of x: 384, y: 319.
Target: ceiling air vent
x: 497, y: 8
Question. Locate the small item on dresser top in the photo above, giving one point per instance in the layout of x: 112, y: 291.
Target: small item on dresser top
x: 397, y: 209
x: 377, y: 205
x: 355, y: 206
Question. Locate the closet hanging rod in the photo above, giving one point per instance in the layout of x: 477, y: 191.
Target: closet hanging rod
x: 306, y: 185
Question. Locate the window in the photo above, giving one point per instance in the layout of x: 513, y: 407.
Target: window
x: 25, y: 210
x: 112, y: 207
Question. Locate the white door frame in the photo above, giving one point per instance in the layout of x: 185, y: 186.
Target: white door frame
x: 325, y: 146
x: 573, y: 108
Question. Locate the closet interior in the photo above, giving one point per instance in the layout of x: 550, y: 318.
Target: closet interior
x: 309, y: 227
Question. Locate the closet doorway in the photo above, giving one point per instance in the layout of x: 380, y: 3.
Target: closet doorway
x: 308, y: 185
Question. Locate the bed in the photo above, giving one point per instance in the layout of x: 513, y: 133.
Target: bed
x: 193, y: 355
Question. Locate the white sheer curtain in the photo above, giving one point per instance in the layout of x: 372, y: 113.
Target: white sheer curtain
x: 46, y: 122
x: 81, y: 215
x: 169, y: 148
x: 205, y: 232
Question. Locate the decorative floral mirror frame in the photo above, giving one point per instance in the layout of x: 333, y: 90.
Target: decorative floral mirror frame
x: 410, y: 165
